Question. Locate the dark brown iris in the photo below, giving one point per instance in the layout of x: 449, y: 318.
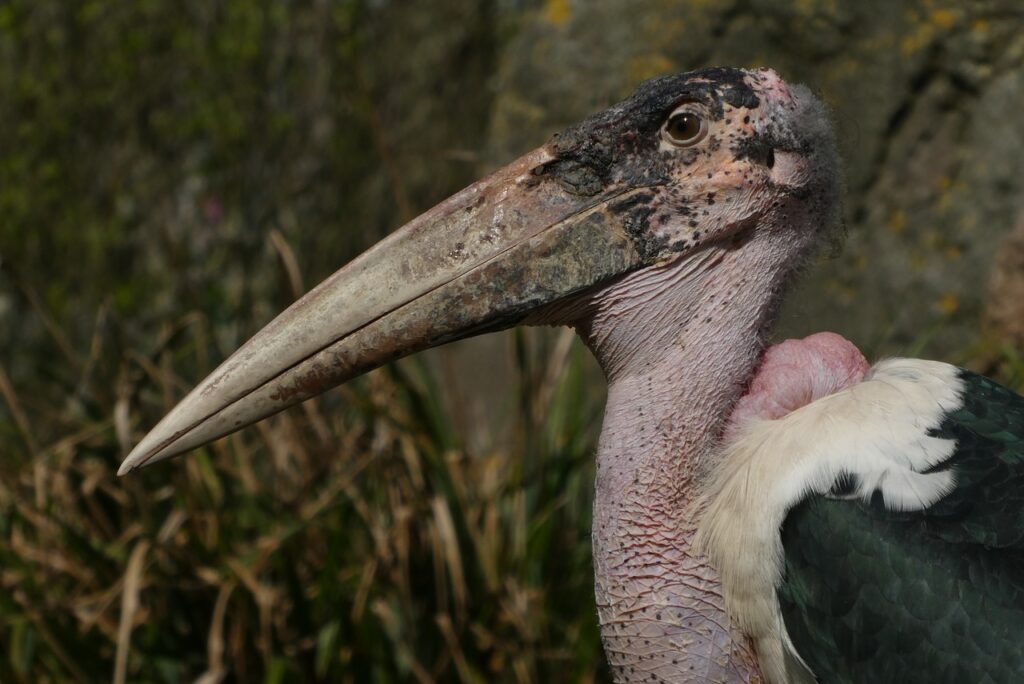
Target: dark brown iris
x: 685, y: 128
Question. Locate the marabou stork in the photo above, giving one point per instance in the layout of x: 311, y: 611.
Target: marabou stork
x: 761, y: 515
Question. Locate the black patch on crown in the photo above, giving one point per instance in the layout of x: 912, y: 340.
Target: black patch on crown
x: 591, y: 154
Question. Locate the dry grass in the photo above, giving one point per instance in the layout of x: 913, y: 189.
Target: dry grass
x: 352, y: 539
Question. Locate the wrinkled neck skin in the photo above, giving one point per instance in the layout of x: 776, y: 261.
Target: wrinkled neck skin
x: 677, y: 343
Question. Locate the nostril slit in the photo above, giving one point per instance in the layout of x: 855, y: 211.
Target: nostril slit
x: 770, y: 160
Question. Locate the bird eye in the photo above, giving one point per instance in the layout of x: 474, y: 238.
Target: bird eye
x: 684, y: 129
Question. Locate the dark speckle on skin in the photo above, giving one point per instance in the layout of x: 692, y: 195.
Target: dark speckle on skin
x: 574, y: 176
x: 688, y: 157
x: 757, y: 148
x: 635, y: 213
x: 630, y: 203
x: 591, y: 152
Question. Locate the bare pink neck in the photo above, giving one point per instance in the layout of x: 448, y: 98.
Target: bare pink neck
x: 676, y: 365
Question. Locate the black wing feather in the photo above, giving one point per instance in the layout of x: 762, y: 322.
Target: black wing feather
x: 934, y: 596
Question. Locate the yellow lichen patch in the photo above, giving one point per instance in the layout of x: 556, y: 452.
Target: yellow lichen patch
x: 557, y: 12
x: 648, y: 66
x: 948, y: 303
x: 805, y: 6
x: 897, y: 222
x: 911, y: 44
x: 816, y: 7
x: 943, y: 18
x: 924, y: 29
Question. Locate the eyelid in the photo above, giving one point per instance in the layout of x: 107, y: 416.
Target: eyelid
x: 695, y: 106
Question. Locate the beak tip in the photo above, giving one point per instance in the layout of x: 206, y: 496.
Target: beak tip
x: 139, y: 457
x: 170, y: 437
x: 133, y: 461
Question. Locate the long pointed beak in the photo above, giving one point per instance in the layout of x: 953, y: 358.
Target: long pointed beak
x: 479, y: 261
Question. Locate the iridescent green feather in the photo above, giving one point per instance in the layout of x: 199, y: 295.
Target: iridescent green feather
x: 935, y: 596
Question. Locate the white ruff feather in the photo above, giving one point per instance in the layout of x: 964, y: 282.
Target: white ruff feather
x: 876, y: 431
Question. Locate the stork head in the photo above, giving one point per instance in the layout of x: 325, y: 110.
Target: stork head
x: 689, y: 162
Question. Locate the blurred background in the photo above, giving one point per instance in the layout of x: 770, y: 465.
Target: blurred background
x: 173, y: 173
